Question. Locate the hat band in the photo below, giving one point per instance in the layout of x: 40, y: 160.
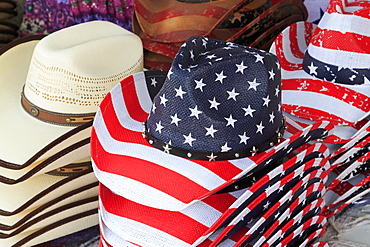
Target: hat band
x: 70, y: 169
x: 54, y: 117
x: 333, y: 73
x: 213, y: 156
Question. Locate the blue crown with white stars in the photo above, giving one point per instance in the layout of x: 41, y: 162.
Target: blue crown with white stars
x: 220, y: 101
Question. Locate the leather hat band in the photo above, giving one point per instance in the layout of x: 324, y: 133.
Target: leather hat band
x: 64, y: 119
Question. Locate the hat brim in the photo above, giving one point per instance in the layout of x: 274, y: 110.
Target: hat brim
x: 23, y: 136
x: 39, y: 190
x: 311, y: 98
x: 127, y: 164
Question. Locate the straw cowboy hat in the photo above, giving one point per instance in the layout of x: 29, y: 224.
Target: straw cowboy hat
x: 196, y: 136
x: 325, y: 69
x: 51, y: 90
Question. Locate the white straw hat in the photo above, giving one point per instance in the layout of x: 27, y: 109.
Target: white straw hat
x: 51, y: 86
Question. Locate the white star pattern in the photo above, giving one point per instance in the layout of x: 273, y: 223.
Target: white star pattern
x: 175, y: 119
x: 154, y: 108
x: 189, y: 139
x: 259, y: 58
x: 225, y: 148
x: 220, y: 77
x: 214, y: 103
x: 260, y: 128
x: 244, y: 138
x: 241, y: 67
x: 272, y: 74
x: 249, y: 111
x: 253, y: 84
x: 266, y: 101
x: 277, y: 90
x: 204, y: 43
x: 211, y: 131
x: 179, y: 92
x: 230, y: 121
x: 232, y: 94
x: 159, y: 127
x: 169, y: 73
x: 154, y: 82
x: 163, y: 99
x: 192, y: 54
x: 200, y: 84
x: 312, y: 69
x: 272, y: 117
x: 211, y: 56
x: 195, y: 112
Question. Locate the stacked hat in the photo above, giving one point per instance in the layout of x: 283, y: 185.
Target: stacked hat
x: 48, y: 16
x: 201, y: 156
x: 325, y: 76
x: 325, y: 69
x: 164, y: 25
x: 51, y: 89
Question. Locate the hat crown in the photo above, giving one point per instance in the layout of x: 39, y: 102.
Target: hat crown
x: 218, y: 97
x: 338, y: 50
x: 73, y: 69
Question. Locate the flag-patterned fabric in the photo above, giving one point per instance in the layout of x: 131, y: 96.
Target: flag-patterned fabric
x: 143, y: 183
x: 324, y: 68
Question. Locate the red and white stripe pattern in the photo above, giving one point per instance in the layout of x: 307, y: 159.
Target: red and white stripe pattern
x: 314, y: 99
x: 320, y: 244
x: 346, y: 190
x: 243, y: 213
x: 312, y: 209
x: 171, y: 182
x: 339, y: 173
x: 289, y: 201
x: 317, y: 222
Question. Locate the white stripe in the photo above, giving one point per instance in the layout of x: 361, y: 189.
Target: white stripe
x: 137, y: 192
x: 345, y: 59
x: 142, y: 92
x: 324, y: 103
x: 345, y: 23
x: 112, y: 238
x: 301, y: 34
x: 286, y: 44
x: 186, y: 168
x: 139, y: 233
x: 121, y: 112
x: 343, y: 132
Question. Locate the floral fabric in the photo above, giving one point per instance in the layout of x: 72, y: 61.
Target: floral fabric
x: 47, y: 16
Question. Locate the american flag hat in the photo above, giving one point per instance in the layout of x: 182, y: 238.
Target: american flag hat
x: 188, y: 148
x: 325, y: 68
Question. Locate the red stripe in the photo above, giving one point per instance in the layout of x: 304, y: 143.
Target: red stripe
x: 349, y: 96
x: 129, y: 95
x: 154, y: 175
x: 336, y: 40
x: 315, y: 115
x: 174, y: 223
x: 294, y: 41
x: 285, y: 64
x: 224, y: 169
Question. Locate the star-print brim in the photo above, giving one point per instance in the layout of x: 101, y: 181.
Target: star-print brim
x: 308, y: 97
x: 128, y: 165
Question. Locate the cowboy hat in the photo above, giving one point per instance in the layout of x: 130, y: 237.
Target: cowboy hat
x: 189, y: 138
x: 51, y: 86
x: 252, y: 131
x: 324, y: 69
x: 161, y: 47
